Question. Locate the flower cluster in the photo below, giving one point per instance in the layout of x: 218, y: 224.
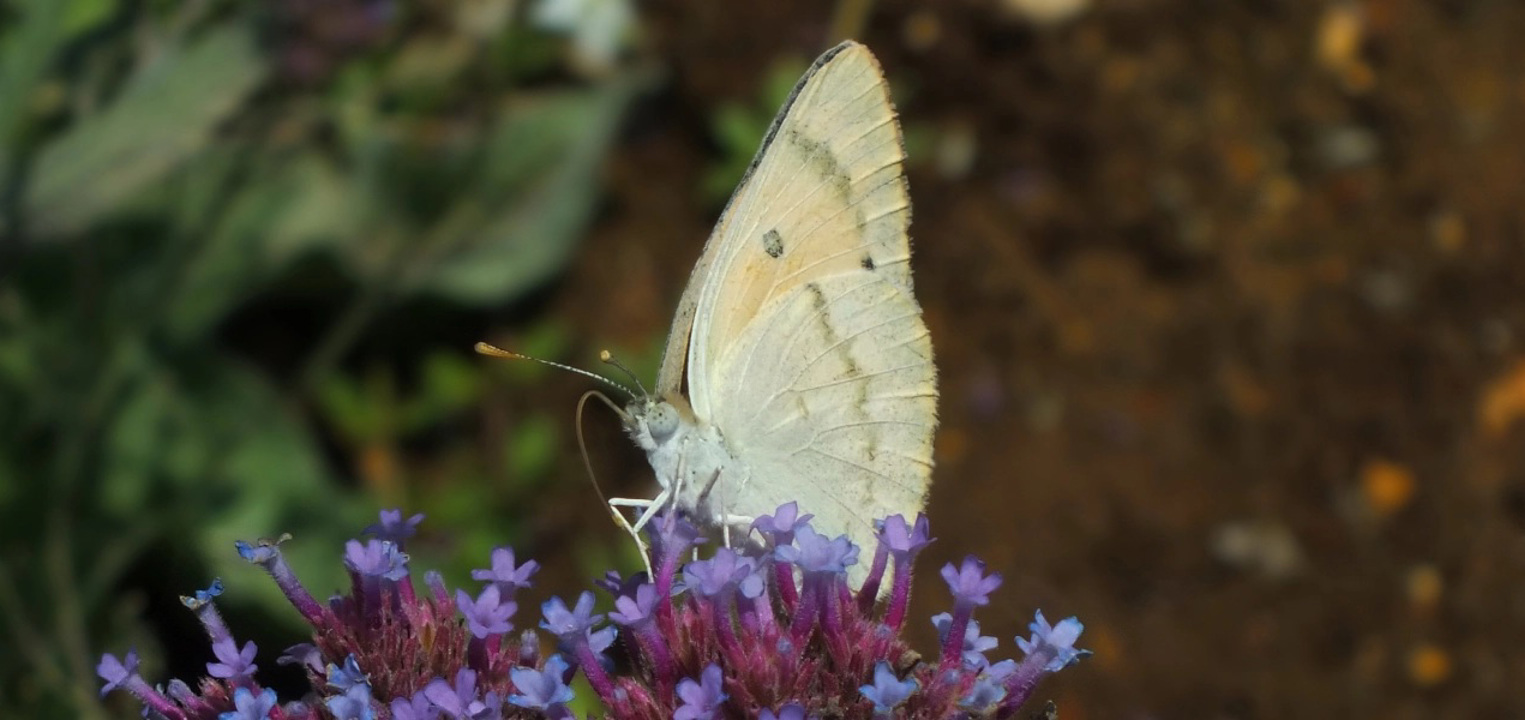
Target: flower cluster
x: 771, y: 632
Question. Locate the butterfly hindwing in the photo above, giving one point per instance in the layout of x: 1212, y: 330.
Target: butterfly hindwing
x: 829, y: 396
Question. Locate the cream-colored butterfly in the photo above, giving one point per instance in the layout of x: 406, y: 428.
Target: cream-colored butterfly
x: 809, y: 368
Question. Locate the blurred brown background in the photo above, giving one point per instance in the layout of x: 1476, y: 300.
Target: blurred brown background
x: 1228, y: 300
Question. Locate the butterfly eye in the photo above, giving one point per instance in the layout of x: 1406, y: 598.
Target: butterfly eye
x: 662, y: 422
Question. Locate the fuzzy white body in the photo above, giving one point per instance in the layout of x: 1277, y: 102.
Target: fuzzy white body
x: 690, y: 461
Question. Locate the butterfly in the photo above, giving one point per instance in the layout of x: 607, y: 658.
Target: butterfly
x: 799, y: 367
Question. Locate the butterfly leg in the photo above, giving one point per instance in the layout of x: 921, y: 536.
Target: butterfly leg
x: 649, y: 509
x: 727, y: 520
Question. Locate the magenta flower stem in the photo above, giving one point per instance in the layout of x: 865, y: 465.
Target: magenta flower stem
x: 900, y: 595
x: 953, y: 644
x: 654, y: 647
x: 869, y: 593
x: 783, y: 574
x: 720, y: 615
x: 805, y: 613
x: 285, y: 579
x: 153, y: 699
x: 594, y: 671
x: 476, y: 654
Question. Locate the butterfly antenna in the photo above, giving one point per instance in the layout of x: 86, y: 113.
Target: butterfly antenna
x: 493, y: 351
x: 608, y: 358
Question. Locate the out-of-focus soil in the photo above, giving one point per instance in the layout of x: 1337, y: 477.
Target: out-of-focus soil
x: 1229, y: 307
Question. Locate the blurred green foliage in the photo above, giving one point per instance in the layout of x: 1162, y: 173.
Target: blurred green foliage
x: 169, y: 172
x: 739, y: 128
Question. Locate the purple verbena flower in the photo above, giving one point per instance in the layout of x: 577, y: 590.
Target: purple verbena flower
x: 343, y: 677
x: 544, y: 689
x: 903, y: 540
x: 354, y: 704
x: 723, y: 572
x: 975, y: 644
x: 969, y: 582
x: 233, y: 663
x: 305, y: 655
x: 504, y: 573
x: 117, y: 672
x: 574, y: 629
x: 984, y: 696
x: 772, y: 630
x: 637, y: 608
x: 415, y: 707
x: 1054, y: 644
x: 393, y: 528
x: 249, y: 706
x: 701, y: 698
x: 779, y: 528
x: 791, y: 711
x: 461, y: 700
x: 816, y: 553
x: 488, y: 614
x: 571, y: 625
x: 887, y: 692
x: 376, y: 558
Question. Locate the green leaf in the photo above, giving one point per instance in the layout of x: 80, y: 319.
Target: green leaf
x: 286, y: 208
x: 360, y: 411
x: 533, y: 201
x: 214, y: 441
x: 83, y: 15
x: 26, y: 53
x: 450, y: 384
x: 531, y: 451
x: 166, y: 113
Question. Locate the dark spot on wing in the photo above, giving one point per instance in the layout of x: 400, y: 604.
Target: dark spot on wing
x: 833, y: 338
x: 773, y: 244
x: 820, y: 156
x: 868, y: 263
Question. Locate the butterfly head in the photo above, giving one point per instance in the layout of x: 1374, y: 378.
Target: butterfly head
x: 655, y: 422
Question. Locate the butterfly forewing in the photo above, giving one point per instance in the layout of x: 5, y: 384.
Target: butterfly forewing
x: 826, y: 193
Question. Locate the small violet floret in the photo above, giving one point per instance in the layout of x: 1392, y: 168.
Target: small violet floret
x: 887, y: 691
x: 504, y: 573
x: 116, y: 672
x: 816, y: 553
x: 393, y: 528
x: 701, y: 698
x: 376, y: 558
x: 969, y: 582
x: 1053, y: 643
x: 250, y: 706
x: 232, y: 662
x: 544, y: 689
x: 488, y: 614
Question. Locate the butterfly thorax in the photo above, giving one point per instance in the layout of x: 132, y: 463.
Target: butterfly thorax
x: 688, y: 455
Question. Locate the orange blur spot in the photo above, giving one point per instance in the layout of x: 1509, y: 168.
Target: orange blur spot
x: 1503, y: 401
x: 1429, y: 666
x: 1424, y: 586
x: 952, y: 446
x: 1386, y: 486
